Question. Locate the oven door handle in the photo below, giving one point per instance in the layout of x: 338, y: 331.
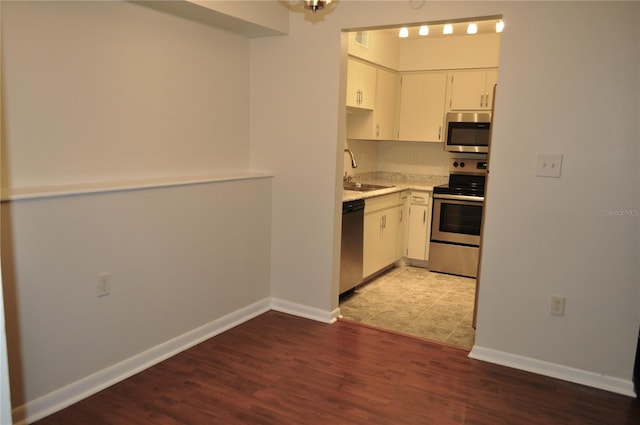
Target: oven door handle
x: 459, y: 197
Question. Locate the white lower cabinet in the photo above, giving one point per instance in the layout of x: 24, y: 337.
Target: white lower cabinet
x: 382, y: 228
x: 402, y: 231
x: 419, y: 226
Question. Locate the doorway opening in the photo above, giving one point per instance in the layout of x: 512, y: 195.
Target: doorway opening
x: 401, y: 83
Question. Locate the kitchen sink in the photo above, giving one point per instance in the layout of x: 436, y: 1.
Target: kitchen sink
x: 364, y: 187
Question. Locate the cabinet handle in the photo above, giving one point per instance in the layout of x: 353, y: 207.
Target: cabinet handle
x: 440, y: 133
x: 481, y: 99
x: 424, y: 216
x: 377, y: 130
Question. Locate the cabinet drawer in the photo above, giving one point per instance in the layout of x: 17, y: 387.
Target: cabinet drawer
x: 381, y: 202
x: 420, y: 198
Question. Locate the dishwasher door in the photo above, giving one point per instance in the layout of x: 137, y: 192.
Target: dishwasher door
x: 351, y: 251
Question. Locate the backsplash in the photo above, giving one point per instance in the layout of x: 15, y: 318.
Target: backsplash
x: 426, y: 179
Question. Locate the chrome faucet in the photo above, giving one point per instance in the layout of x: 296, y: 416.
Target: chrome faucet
x: 354, y: 164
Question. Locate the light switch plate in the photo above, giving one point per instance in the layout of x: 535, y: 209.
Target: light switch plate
x: 548, y: 165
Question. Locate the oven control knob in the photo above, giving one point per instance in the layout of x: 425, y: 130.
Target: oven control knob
x: 455, y: 164
x: 461, y: 164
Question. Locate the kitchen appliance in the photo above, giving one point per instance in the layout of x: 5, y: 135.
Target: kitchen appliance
x: 467, y: 132
x: 351, y: 251
x: 457, y: 218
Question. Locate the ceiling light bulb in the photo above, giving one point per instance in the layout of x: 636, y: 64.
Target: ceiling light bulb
x: 499, y: 26
x: 448, y: 29
x: 404, y: 32
x: 314, y: 5
x: 424, y: 30
x: 472, y: 28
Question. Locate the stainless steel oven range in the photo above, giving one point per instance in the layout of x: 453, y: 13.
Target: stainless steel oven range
x: 457, y: 219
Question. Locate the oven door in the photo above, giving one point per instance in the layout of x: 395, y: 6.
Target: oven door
x: 457, y: 219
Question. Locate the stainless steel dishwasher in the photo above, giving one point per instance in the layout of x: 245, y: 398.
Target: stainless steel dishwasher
x: 351, y: 252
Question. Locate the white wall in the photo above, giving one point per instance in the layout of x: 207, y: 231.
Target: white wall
x: 478, y: 51
x: 382, y: 48
x: 430, y: 158
x: 563, y: 88
x: 105, y: 92
x: 366, y: 154
x: 177, y: 257
x: 5, y: 391
x: 580, y: 90
x: 294, y: 132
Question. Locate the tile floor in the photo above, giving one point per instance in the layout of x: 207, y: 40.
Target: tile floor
x: 418, y: 302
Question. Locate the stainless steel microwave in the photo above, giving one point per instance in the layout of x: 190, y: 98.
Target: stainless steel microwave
x: 467, y: 132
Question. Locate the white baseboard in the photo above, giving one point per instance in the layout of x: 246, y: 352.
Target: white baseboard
x: 304, y: 311
x: 553, y: 370
x: 85, y: 387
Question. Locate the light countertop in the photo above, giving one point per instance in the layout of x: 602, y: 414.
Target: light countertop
x: 398, y: 184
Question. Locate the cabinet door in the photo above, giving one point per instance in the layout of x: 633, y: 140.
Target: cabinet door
x: 468, y: 90
x: 380, y: 240
x: 419, y: 228
x: 368, y: 77
x: 387, y: 85
x: 492, y: 79
x: 389, y: 242
x: 372, y: 229
x: 361, y: 85
x: 417, y: 237
x: 379, y: 124
x: 422, y: 102
x: 404, y: 225
x: 353, y: 84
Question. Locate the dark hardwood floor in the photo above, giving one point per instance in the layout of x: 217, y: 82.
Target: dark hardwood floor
x: 281, y: 369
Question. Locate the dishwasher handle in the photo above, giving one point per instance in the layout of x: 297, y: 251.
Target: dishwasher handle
x: 352, y: 206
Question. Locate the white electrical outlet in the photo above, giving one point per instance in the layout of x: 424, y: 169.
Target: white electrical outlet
x: 104, y: 284
x: 548, y: 165
x: 557, y: 306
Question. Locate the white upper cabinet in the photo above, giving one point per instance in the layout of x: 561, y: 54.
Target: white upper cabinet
x: 386, y: 105
x: 361, y: 85
x: 422, y: 105
x: 379, y: 124
x: 471, y: 90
